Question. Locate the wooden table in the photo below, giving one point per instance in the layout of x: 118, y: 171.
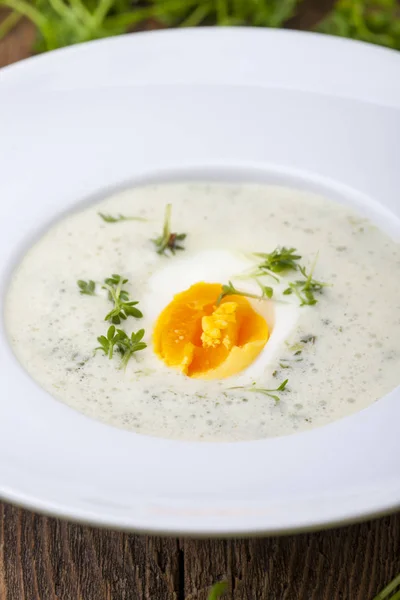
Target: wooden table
x: 47, y: 559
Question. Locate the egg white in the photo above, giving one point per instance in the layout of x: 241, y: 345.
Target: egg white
x: 221, y: 266
x: 180, y: 272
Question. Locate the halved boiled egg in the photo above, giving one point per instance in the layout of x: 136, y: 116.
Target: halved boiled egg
x: 206, y: 340
x: 240, y: 337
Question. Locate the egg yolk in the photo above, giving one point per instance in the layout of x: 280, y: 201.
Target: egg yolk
x: 203, y: 340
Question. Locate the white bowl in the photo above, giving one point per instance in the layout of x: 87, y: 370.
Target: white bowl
x: 303, y: 109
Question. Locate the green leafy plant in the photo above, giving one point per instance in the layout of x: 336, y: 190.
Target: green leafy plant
x: 374, y: 21
x: 64, y: 22
x: 266, y: 13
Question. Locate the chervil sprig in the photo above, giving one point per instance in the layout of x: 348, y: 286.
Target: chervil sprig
x: 266, y: 290
x: 110, y: 340
x: 87, y: 288
x: 266, y: 392
x: 118, y: 340
x: 129, y: 345
x: 280, y: 260
x: 305, y: 289
x: 123, y: 307
x: 169, y: 242
x: 230, y: 290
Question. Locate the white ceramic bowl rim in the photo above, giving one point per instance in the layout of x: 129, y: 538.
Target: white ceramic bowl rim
x: 252, y: 104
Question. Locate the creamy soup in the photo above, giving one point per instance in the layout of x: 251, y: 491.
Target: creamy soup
x: 320, y: 352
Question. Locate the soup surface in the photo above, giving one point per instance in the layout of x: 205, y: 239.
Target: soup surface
x: 317, y: 338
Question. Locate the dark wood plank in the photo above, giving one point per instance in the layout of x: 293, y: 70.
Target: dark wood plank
x: 46, y: 559
x: 351, y: 563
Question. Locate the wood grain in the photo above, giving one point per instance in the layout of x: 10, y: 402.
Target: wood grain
x: 47, y: 559
x: 352, y: 563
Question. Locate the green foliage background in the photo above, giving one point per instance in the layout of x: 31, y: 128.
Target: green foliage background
x: 63, y: 22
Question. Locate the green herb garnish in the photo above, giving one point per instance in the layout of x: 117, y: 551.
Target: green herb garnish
x: 280, y: 260
x: 130, y: 345
x: 264, y: 391
x: 285, y: 259
x: 118, y: 340
x: 87, y: 288
x: 230, y: 290
x: 123, y: 307
x: 266, y: 290
x: 119, y: 218
x: 307, y: 287
x: 168, y: 241
x: 108, y: 342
